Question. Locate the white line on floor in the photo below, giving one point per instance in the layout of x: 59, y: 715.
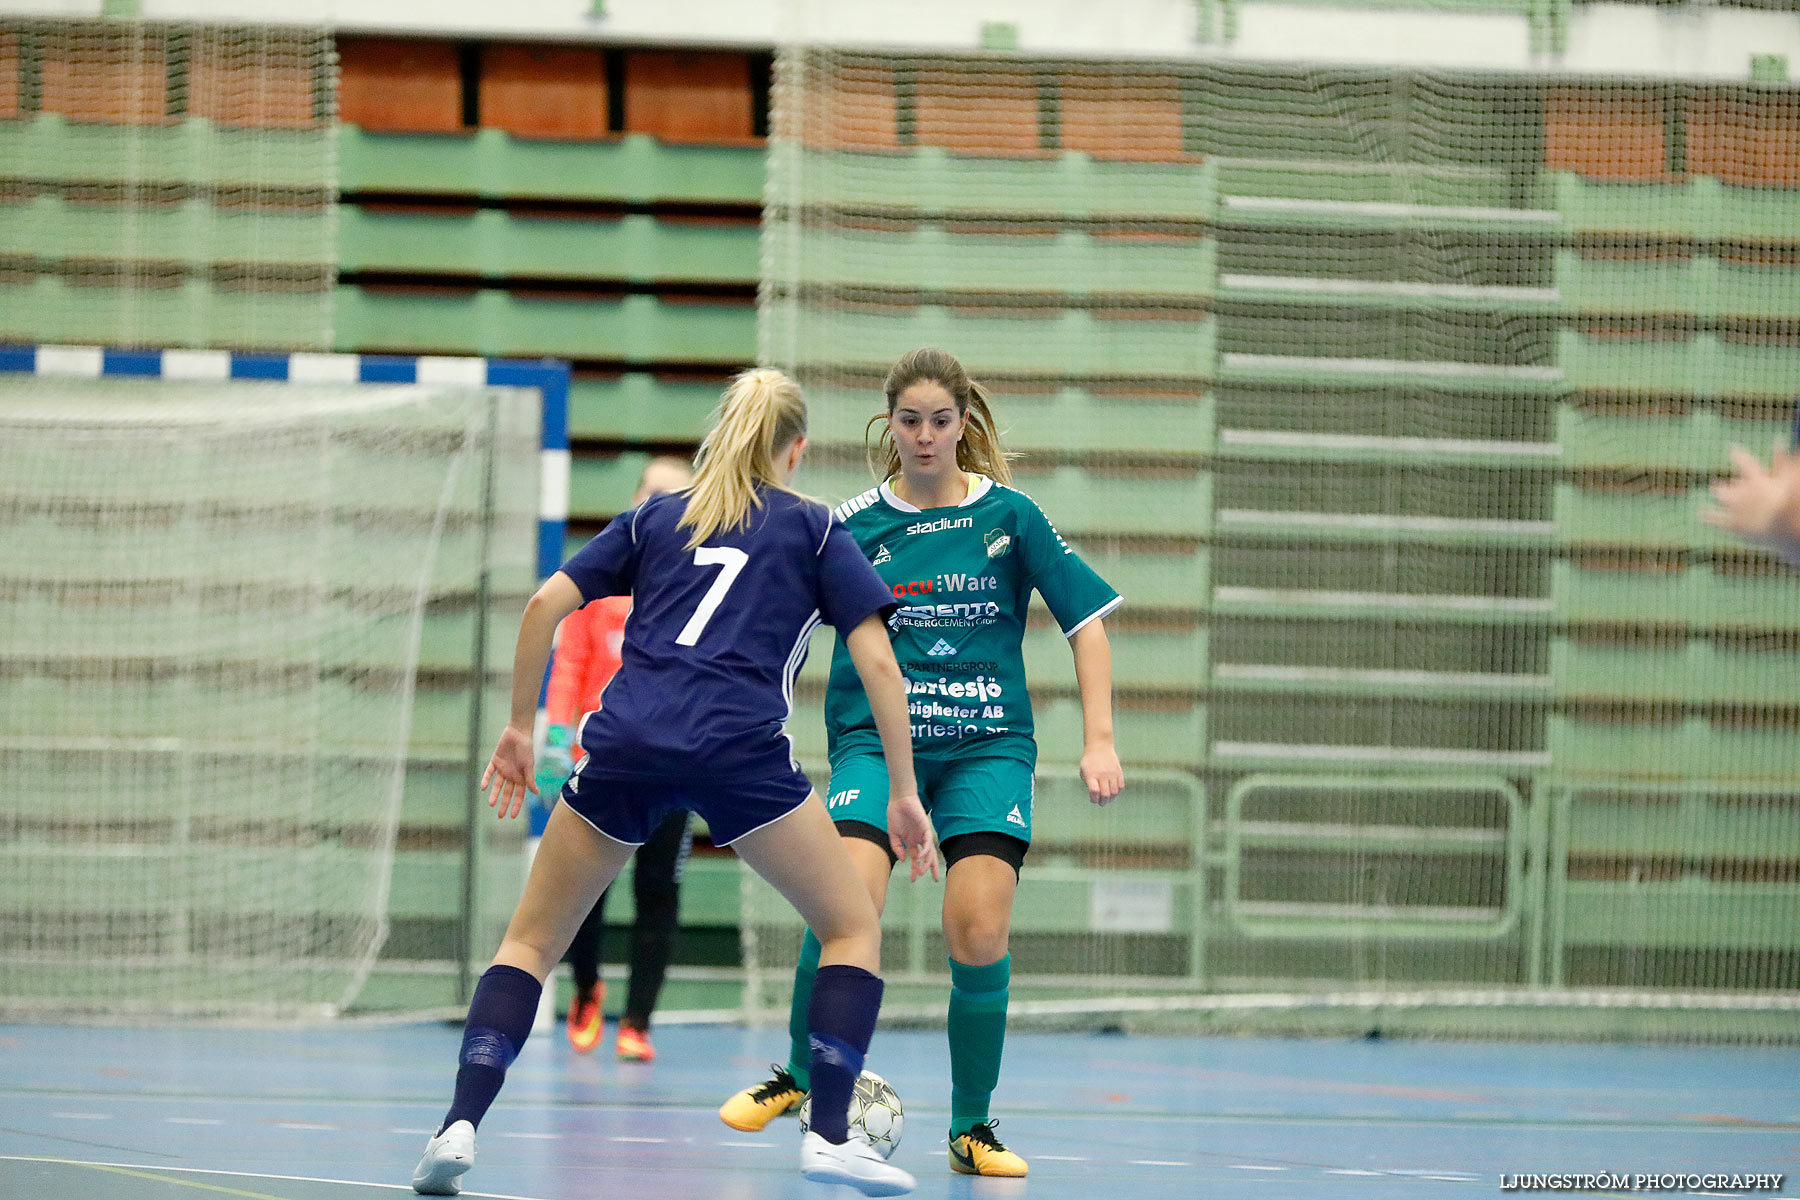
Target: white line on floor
x: 392, y: 1187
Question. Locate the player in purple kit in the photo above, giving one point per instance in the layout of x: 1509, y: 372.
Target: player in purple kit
x: 729, y: 577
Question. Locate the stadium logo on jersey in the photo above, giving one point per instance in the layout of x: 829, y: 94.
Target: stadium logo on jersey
x: 881, y: 556
x: 939, y: 525
x: 1014, y: 817
x: 942, y: 649
x: 998, y: 542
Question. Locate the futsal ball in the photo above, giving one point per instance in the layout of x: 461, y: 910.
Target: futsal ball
x: 875, y: 1114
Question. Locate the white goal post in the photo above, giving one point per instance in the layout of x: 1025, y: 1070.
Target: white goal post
x: 221, y: 575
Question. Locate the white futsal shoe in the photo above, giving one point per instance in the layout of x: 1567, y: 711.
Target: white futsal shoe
x: 855, y: 1163
x: 446, y: 1157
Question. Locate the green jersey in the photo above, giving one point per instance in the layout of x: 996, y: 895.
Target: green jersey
x: 963, y: 577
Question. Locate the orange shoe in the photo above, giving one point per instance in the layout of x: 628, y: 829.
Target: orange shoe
x: 585, y: 1020
x: 634, y: 1044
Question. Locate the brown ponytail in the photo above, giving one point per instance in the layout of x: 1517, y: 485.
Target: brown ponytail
x: 979, y: 450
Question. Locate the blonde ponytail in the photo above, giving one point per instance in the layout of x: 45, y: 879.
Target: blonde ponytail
x: 979, y: 450
x: 758, y: 418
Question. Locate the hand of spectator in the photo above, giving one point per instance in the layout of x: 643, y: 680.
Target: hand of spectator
x: 1760, y: 504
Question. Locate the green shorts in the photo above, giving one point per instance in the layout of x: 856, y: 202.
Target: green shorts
x: 983, y: 793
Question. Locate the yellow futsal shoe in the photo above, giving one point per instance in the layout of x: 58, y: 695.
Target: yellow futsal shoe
x: 979, y: 1152
x: 755, y: 1107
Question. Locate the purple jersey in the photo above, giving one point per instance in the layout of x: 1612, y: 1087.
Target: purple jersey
x: 716, y: 634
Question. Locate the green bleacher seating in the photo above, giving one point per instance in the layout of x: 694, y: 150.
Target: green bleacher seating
x: 1070, y: 341
x: 1703, y: 285
x: 1028, y: 258
x: 639, y: 406
x: 1705, y: 364
x: 1638, y: 868
x: 601, y: 485
x: 1701, y: 207
x: 495, y: 243
x: 930, y: 181
x: 1142, y: 658
x: 53, y: 149
x: 55, y: 310
x: 642, y: 330
x: 192, y: 232
x: 1164, y: 421
x: 635, y: 169
x: 1638, y: 519
x: 1148, y: 576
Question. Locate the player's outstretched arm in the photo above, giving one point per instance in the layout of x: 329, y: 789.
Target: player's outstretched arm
x: 1100, y: 769
x: 508, y: 778
x: 1761, y: 504
x: 909, y: 829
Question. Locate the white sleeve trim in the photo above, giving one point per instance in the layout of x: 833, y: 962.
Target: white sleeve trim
x: 1094, y: 616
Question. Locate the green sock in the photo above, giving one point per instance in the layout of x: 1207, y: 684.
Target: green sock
x: 799, y: 1034
x: 977, y: 1036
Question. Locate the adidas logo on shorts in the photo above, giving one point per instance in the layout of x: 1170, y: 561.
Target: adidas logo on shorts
x: 942, y: 649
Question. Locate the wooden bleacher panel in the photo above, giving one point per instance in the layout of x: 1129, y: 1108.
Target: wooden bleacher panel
x: 1134, y: 118
x: 861, y: 113
x: 544, y: 91
x: 89, y: 81
x: 396, y: 85
x: 978, y: 112
x: 273, y: 87
x: 11, y: 69
x: 688, y: 96
x: 1752, y: 140
x: 1606, y: 133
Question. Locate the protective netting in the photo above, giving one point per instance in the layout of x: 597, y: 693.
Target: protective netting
x: 212, y: 602
x: 167, y: 185
x: 1388, y: 400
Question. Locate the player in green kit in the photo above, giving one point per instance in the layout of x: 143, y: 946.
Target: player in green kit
x: 962, y: 550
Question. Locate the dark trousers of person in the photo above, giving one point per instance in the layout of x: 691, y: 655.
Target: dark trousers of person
x: 656, y: 887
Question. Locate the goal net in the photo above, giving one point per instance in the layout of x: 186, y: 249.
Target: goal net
x: 213, y: 596
x: 167, y: 184
x: 1388, y: 399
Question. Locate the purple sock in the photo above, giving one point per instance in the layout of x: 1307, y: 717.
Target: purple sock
x: 500, y: 1017
x: 842, y: 1020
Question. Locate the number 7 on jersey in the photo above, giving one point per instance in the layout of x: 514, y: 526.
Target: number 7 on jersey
x: 730, y: 561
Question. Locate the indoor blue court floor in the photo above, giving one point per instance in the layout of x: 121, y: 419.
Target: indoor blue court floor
x: 341, y: 1113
